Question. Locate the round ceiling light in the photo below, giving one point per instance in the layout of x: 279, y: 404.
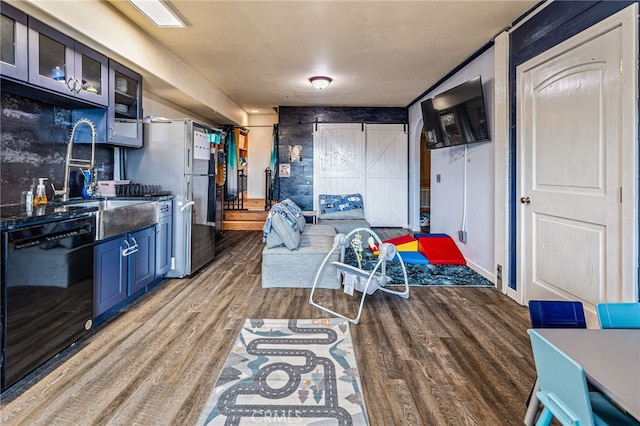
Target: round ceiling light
x: 320, y: 82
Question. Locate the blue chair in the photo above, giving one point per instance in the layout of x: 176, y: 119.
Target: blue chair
x: 564, y: 393
x: 551, y: 314
x: 556, y: 314
x: 618, y: 315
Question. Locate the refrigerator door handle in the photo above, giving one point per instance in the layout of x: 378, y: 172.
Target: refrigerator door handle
x: 190, y: 203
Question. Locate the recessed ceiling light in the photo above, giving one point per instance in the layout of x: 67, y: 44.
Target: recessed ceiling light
x: 159, y: 12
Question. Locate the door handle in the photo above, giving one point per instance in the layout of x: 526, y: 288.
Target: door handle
x: 525, y: 200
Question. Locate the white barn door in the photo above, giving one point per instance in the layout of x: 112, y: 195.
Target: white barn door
x: 386, y: 202
x: 575, y: 162
x: 372, y: 161
x: 338, y: 160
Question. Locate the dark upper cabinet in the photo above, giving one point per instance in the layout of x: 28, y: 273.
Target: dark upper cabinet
x: 59, y: 63
x: 125, y: 106
x: 13, y: 47
x: 40, y: 62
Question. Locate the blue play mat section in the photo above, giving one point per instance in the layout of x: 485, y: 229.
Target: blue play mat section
x: 422, y: 274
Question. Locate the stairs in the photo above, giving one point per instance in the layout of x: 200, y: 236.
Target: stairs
x: 250, y: 219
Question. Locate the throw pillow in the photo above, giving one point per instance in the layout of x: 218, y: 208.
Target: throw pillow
x: 273, y: 239
x: 296, y: 212
x: 348, y: 206
x: 286, y: 227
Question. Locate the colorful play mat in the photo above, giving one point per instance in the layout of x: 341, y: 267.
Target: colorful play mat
x: 427, y: 249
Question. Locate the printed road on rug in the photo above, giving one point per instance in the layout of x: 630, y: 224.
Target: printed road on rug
x: 299, y: 372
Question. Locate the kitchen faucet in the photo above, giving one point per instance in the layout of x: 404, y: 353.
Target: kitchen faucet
x: 76, y: 162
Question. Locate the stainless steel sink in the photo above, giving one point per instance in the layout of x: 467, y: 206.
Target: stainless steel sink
x: 116, y: 217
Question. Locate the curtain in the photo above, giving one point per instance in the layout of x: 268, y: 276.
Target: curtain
x: 274, y: 154
x: 232, y: 167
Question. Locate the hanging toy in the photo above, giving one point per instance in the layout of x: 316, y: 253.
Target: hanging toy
x: 373, y: 245
x: 356, y: 243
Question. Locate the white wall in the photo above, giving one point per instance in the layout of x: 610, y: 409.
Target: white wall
x: 447, y: 195
x: 260, y: 142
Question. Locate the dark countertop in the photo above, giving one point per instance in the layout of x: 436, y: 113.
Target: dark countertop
x: 16, y: 215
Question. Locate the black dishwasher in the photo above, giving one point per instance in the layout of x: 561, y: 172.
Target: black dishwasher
x: 47, y: 292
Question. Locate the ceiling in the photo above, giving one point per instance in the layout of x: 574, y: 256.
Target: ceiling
x: 379, y: 53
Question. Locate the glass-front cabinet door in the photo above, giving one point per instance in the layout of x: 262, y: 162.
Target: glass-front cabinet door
x: 125, y: 106
x: 58, y: 63
x: 92, y: 74
x: 13, y: 45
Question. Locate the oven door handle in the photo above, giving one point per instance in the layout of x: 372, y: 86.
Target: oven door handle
x: 50, y: 238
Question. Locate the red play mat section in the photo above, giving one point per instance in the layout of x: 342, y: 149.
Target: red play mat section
x: 440, y: 250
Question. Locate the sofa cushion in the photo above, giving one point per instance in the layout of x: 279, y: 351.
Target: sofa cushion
x: 285, y: 268
x: 326, y: 230
x: 344, y: 226
x: 349, y: 206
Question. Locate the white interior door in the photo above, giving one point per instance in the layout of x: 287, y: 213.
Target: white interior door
x: 338, y: 160
x: 573, y: 170
x: 386, y: 201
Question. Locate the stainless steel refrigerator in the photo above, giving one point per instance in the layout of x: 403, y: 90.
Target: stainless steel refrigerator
x: 178, y: 156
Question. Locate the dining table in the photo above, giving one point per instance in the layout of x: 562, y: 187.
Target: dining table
x: 610, y: 359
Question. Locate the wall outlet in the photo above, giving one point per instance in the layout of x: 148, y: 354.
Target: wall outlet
x: 462, y: 236
x: 438, y: 178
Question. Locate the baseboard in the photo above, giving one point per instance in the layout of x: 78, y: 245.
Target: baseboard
x: 515, y: 296
x: 488, y: 275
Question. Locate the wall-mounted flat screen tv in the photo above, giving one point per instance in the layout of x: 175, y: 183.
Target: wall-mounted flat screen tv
x: 456, y: 116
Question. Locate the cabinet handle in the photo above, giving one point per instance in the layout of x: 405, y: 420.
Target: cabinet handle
x: 69, y: 85
x: 130, y: 248
x: 78, y: 85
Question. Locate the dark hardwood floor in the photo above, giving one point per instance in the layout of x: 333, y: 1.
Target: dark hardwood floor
x: 445, y: 356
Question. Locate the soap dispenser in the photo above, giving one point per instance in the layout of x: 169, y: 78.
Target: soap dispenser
x: 41, y: 194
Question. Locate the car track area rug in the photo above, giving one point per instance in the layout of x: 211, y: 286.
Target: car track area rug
x: 299, y: 372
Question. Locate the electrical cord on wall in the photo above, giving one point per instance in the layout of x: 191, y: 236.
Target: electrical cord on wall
x: 462, y: 234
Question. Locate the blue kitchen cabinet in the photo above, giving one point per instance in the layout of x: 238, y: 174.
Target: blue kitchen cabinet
x: 13, y: 50
x: 142, y: 262
x: 125, y: 106
x: 124, y: 265
x: 110, y: 279
x: 59, y: 63
x: 164, y: 237
x: 39, y: 62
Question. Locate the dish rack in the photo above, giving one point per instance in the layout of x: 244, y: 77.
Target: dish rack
x: 139, y: 190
